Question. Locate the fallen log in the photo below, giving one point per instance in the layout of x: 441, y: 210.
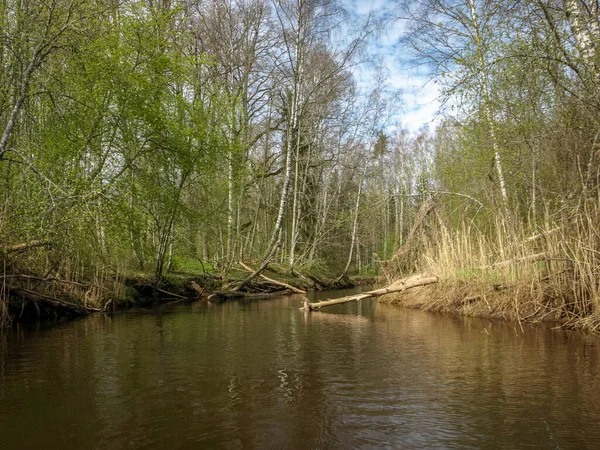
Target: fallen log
x: 319, y: 284
x: 247, y: 295
x: 196, y: 287
x: 54, y: 302
x: 240, y: 284
x: 172, y: 294
x: 397, y: 286
x: 271, y: 280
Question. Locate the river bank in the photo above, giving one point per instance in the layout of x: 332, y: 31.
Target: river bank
x: 39, y: 298
x: 516, y: 302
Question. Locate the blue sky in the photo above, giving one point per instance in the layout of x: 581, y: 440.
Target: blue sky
x: 419, y: 94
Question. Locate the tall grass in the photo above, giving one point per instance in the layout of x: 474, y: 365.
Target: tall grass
x: 550, y: 273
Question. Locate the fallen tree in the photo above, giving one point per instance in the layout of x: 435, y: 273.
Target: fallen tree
x: 55, y: 303
x: 271, y: 280
x: 405, y: 256
x: 397, y: 286
x: 226, y: 295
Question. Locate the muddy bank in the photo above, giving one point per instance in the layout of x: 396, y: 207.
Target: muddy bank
x: 52, y: 301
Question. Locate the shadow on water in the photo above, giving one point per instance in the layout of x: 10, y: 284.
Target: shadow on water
x: 263, y: 374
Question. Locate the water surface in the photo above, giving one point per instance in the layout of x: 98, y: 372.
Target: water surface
x: 262, y: 374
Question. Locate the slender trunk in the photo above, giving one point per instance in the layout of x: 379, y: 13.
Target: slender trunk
x: 533, y: 189
x: 486, y: 98
x: 401, y: 226
x: 358, y: 260
x: 205, y: 254
x: 135, y: 240
x: 228, y: 255
x: 171, y: 245
x: 21, y: 95
x: 385, y: 220
x: 293, y: 129
x: 250, y: 248
x: 295, y: 212
x: 354, y: 224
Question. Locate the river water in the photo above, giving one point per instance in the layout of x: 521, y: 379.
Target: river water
x: 262, y: 374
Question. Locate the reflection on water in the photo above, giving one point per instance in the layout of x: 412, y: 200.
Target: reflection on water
x: 263, y: 374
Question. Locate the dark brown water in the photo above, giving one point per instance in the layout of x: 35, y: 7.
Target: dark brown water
x: 263, y: 374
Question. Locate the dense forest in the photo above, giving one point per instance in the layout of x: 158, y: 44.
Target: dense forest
x: 184, y: 136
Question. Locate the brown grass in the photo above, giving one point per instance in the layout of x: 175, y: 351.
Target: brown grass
x: 552, y: 273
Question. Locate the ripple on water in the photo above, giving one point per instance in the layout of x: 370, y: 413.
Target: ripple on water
x: 265, y: 375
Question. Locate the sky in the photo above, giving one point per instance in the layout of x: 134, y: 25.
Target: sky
x: 419, y: 94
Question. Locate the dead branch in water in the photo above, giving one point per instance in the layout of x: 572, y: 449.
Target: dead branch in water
x: 225, y: 295
x: 196, y: 287
x: 279, y: 283
x: 172, y: 294
x: 54, y: 302
x: 397, y: 286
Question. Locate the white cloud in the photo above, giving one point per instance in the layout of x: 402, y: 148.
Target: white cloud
x: 420, y: 95
x: 365, y: 6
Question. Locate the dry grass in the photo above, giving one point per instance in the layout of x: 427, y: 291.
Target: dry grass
x: 507, y: 271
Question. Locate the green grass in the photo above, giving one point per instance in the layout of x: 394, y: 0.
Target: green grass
x: 188, y: 264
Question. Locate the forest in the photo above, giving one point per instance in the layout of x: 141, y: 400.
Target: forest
x: 141, y: 139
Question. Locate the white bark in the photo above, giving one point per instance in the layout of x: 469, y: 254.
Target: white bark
x: 486, y: 99
x: 20, y: 100
x: 292, y: 130
x: 397, y: 286
x: 355, y: 222
x: 295, y: 212
x: 583, y: 35
x: 228, y: 257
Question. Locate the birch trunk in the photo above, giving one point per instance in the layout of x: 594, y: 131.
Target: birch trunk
x: 354, y: 224
x: 21, y: 96
x: 397, y: 286
x: 295, y: 212
x: 486, y: 98
x: 293, y: 114
x: 583, y: 35
x: 228, y: 255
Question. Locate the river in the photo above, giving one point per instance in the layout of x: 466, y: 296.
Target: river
x: 263, y: 374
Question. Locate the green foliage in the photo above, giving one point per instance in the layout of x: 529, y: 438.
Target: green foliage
x: 188, y: 264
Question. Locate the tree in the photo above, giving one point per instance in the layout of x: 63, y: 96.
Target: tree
x: 457, y: 41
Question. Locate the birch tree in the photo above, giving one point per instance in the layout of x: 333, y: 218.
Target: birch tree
x: 237, y: 38
x: 457, y: 41
x: 302, y: 26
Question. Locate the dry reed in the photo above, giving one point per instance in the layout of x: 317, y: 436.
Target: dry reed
x: 509, y: 271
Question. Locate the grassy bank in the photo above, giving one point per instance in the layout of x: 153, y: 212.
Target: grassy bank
x: 550, y: 273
